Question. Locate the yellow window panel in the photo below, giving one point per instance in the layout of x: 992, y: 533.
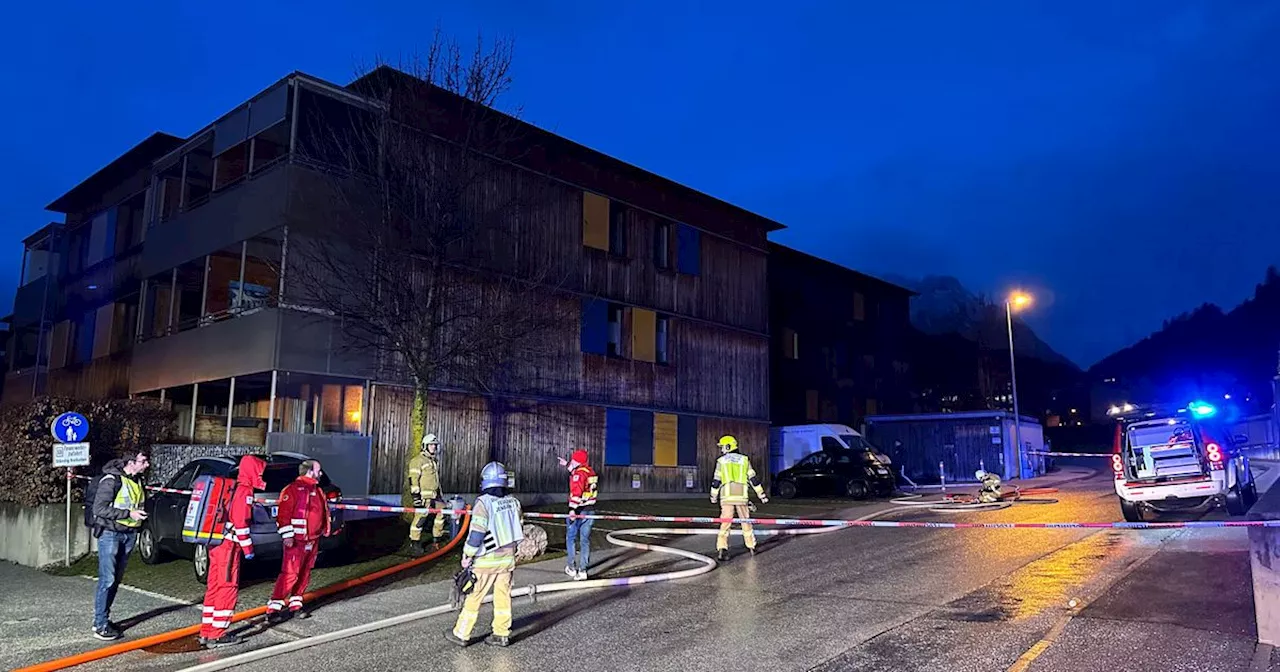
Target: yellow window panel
x: 644, y: 325
x: 595, y: 221
x: 665, y: 453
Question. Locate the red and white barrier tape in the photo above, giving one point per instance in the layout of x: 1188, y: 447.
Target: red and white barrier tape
x: 807, y: 522
x: 1049, y: 454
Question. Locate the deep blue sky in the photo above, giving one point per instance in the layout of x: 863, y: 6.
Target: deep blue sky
x: 1120, y: 157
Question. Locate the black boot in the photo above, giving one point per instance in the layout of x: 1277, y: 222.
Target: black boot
x: 417, y: 548
x: 225, y: 640
x: 723, y: 555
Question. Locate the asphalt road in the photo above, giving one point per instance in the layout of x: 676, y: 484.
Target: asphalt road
x: 858, y: 599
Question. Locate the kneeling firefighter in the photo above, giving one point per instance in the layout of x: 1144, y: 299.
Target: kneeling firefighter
x: 729, y: 486
x: 990, y: 491
x: 497, y: 526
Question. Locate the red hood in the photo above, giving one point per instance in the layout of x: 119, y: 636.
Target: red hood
x: 251, y: 468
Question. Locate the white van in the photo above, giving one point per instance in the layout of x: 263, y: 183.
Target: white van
x: 789, y: 444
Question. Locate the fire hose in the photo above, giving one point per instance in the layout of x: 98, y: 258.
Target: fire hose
x: 706, y: 563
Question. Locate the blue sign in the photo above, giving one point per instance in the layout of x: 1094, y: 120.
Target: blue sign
x: 70, y: 427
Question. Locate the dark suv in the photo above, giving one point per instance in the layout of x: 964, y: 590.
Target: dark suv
x: 161, y: 534
x: 846, y: 473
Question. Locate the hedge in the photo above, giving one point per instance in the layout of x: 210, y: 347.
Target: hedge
x: 116, y: 426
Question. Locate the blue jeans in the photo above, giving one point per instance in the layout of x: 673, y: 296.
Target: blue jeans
x: 579, y: 533
x: 113, y: 554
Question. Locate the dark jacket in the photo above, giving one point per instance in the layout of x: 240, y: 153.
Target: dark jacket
x: 105, y: 514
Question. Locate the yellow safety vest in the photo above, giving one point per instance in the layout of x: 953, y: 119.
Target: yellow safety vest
x: 130, y: 496
x: 734, y: 474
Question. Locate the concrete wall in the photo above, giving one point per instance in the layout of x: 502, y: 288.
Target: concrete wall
x: 35, y: 536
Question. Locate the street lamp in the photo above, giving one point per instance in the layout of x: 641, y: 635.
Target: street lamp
x: 1015, y: 301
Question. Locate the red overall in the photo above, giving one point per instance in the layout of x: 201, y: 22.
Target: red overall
x: 223, y: 584
x: 304, y: 519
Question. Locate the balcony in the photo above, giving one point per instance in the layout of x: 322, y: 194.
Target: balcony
x: 262, y: 340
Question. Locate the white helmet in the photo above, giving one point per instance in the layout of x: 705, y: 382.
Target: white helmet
x: 981, y: 474
x: 493, y: 475
x: 430, y: 438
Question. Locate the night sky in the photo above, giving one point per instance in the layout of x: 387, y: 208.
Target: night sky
x: 1120, y: 158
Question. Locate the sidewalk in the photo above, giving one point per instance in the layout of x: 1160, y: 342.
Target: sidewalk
x: 48, y: 617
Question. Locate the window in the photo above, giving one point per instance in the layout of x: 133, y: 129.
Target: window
x: 184, y: 478
x: 663, y: 331
x: 617, y: 230
x: 647, y: 438
x: 615, y: 331
x: 644, y: 333
x: 815, y: 460
x: 340, y: 408
x: 688, y: 250
x: 859, y: 306
x: 594, y: 334
x: 662, y: 245
x: 831, y: 443
x: 811, y: 404
x: 790, y: 344
x: 595, y: 221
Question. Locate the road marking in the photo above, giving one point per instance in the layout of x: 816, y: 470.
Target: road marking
x: 148, y: 593
x: 1025, y: 660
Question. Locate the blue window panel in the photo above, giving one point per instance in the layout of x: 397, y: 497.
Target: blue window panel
x: 687, y: 441
x: 595, y: 326
x: 641, y: 437
x: 617, y: 437
x: 84, y: 336
x: 688, y: 249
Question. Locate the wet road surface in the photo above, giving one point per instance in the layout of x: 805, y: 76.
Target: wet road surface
x: 859, y: 599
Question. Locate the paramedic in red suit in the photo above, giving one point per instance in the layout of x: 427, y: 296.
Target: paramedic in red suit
x: 303, y: 519
x: 223, y: 584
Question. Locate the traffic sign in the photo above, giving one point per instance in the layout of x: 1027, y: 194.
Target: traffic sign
x: 70, y: 427
x: 70, y: 454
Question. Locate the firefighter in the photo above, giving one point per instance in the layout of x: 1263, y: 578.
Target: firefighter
x: 424, y: 486
x: 223, y: 585
x: 583, y: 483
x: 303, y: 519
x: 729, y: 486
x: 990, y: 491
x: 490, y: 554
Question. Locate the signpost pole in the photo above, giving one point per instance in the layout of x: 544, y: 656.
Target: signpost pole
x: 67, y: 549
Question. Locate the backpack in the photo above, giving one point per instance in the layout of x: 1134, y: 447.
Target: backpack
x: 208, y: 511
x: 90, y: 493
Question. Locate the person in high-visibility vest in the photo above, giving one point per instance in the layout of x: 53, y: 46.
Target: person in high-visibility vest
x: 729, y: 486
x: 424, y: 487
x: 497, y: 527
x: 118, y: 511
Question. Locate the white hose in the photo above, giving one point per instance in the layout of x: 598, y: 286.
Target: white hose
x: 946, y: 506
x: 707, y: 565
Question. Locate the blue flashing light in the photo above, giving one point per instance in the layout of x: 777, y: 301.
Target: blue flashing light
x: 1201, y: 409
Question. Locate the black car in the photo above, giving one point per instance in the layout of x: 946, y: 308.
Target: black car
x: 846, y: 473
x: 161, y: 534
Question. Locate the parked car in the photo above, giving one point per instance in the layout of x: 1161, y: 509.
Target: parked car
x: 848, y: 473
x: 161, y: 534
x: 1180, y: 461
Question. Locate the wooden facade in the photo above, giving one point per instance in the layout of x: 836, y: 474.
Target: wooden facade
x: 528, y: 436
x: 660, y: 293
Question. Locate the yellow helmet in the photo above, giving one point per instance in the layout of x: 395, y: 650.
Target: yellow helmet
x: 728, y: 444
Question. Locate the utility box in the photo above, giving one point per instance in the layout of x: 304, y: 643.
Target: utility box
x: 962, y: 443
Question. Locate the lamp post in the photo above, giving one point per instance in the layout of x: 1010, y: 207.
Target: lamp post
x: 1016, y: 300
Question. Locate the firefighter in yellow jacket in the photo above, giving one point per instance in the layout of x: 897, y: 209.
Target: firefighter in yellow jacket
x: 424, y: 487
x: 729, y: 486
x: 490, y: 556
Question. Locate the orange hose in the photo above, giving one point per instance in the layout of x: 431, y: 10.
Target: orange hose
x: 125, y: 647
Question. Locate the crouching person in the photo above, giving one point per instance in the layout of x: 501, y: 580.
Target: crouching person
x: 490, y: 554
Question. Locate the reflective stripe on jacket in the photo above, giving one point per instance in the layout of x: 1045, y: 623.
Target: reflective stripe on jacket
x: 582, y: 488
x: 496, y: 528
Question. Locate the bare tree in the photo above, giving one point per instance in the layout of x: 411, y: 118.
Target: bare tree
x: 426, y: 246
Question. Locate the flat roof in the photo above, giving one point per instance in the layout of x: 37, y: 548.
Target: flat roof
x: 783, y: 250
x: 136, y: 158
x: 385, y: 72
